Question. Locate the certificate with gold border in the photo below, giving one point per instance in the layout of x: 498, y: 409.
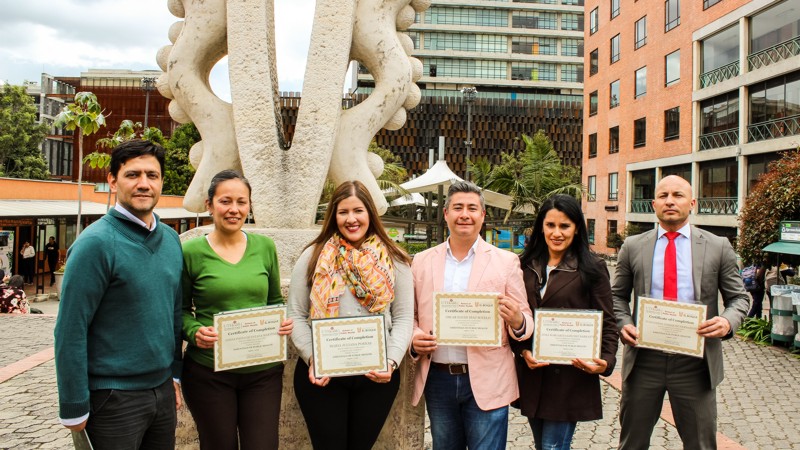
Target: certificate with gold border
x: 467, y: 318
x: 349, y: 345
x: 249, y: 337
x: 670, y: 326
x: 561, y: 335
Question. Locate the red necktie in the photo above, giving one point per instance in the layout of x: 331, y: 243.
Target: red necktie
x: 671, y: 267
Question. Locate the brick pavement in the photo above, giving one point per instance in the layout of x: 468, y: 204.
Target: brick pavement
x: 758, y: 403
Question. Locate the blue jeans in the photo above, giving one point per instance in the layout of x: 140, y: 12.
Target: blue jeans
x: 551, y: 434
x: 132, y: 420
x: 456, y: 420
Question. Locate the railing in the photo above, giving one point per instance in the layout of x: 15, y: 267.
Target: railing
x: 785, y: 126
x: 719, y: 139
x: 776, y: 53
x: 720, y: 74
x: 642, y: 206
x: 718, y: 205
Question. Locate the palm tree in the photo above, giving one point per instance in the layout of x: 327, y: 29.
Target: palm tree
x: 85, y: 115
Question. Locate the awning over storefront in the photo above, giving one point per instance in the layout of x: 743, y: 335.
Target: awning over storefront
x: 787, y: 248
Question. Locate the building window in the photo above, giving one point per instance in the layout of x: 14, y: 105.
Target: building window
x: 592, y: 188
x: 613, y: 96
x: 640, y: 132
x: 614, y: 8
x: 534, y: 20
x: 593, y: 21
x: 611, y: 231
x: 613, y: 178
x: 572, y: 73
x: 533, y: 71
x: 719, y: 121
x: 773, y: 100
x: 672, y: 14
x: 641, y: 32
x: 673, y: 67
x: 593, y: 62
x: 720, y: 49
x: 709, y: 3
x: 614, y: 49
x: 441, y: 15
x: 465, y: 68
x: 672, y: 123
x: 529, y: 45
x: 572, y: 47
x: 590, y: 230
x: 593, y: 103
x: 592, y: 145
x: 572, y: 22
x: 613, y: 140
x: 774, y: 26
x: 465, y: 42
x: 641, y: 82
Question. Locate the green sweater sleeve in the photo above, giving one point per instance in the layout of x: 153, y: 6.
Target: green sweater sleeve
x: 85, y: 282
x: 188, y: 320
x: 271, y: 261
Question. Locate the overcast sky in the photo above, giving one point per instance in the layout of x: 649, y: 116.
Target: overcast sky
x: 67, y: 37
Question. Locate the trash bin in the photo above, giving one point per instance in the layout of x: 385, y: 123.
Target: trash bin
x: 781, y: 310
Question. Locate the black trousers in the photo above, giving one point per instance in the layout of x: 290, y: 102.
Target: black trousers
x: 28, y: 268
x: 223, y: 403
x: 348, y: 413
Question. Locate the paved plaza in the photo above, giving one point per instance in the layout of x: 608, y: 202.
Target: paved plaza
x: 759, y: 401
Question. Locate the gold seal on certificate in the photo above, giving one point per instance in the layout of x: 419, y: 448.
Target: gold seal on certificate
x: 561, y: 335
x: 249, y: 337
x: 670, y: 326
x: 467, y: 318
x: 349, y: 345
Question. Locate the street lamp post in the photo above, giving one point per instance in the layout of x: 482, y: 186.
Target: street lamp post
x: 147, y: 84
x: 469, y: 94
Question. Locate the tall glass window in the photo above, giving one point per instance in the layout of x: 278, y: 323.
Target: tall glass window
x: 672, y: 123
x: 533, y: 71
x: 613, y: 140
x: 721, y: 49
x: 466, y: 42
x: 593, y: 62
x: 593, y: 103
x: 640, y: 132
x: 641, y: 32
x: 775, y: 98
x: 614, y: 49
x: 529, y: 45
x: 592, y: 145
x: 614, y: 8
x: 592, y: 188
x: 572, y: 22
x: 673, y: 67
x: 682, y: 170
x: 641, y: 82
x: 613, y: 97
x: 613, y: 185
x: 534, y: 20
x: 774, y: 26
x: 590, y: 225
x: 572, y: 73
x: 466, y: 68
x: 572, y: 47
x: 720, y: 113
x: 467, y: 16
x: 719, y: 178
x: 672, y: 13
x: 593, y: 16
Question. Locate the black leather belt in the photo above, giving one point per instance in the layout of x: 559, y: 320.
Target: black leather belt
x: 452, y: 369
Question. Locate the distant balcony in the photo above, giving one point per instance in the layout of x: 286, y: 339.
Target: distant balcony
x: 786, y: 126
x: 726, y: 206
x: 719, y: 139
x: 642, y: 206
x: 775, y: 53
x: 721, y: 74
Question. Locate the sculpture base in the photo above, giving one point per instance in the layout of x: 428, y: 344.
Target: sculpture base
x: 404, y: 428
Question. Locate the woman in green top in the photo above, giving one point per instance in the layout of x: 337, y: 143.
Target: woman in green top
x: 224, y: 271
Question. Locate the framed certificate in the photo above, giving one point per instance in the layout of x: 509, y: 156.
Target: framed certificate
x: 670, y: 326
x: 349, y: 345
x: 467, y: 318
x: 561, y: 335
x: 249, y: 337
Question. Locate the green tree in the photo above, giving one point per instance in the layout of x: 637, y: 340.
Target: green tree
x: 85, y: 115
x: 20, y: 136
x: 480, y: 171
x: 178, y: 171
x: 534, y: 175
x: 774, y: 198
x: 128, y: 130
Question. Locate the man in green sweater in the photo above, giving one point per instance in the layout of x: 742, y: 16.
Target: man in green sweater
x: 117, y: 336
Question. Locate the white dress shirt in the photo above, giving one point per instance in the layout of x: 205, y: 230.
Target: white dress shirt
x: 683, y: 253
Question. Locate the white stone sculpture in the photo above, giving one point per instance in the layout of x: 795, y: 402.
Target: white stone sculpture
x: 247, y: 134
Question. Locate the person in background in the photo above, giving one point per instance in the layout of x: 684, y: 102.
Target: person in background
x: 28, y: 261
x: 118, y: 345
x: 351, y: 269
x: 561, y: 272
x: 12, y: 297
x: 228, y: 270
x: 51, y: 251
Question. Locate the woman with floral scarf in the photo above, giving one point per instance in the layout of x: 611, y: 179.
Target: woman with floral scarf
x: 351, y: 269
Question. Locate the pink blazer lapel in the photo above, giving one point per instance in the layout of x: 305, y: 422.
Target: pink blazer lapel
x: 437, y: 268
x: 483, y: 257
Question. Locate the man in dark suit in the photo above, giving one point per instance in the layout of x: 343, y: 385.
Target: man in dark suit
x: 679, y: 262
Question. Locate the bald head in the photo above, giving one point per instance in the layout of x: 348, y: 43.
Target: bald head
x: 673, y: 202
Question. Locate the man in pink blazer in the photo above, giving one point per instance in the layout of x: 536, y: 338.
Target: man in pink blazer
x: 467, y: 389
